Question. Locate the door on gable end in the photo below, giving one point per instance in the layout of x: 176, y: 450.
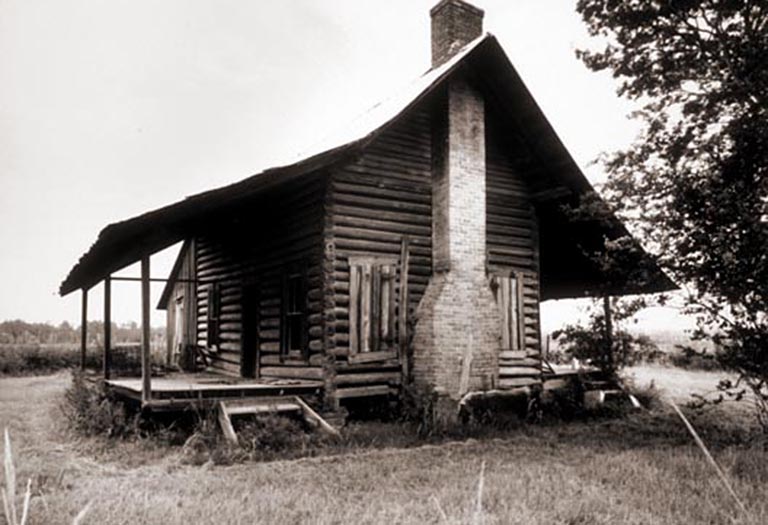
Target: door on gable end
x: 508, y: 291
x: 518, y: 366
x: 372, y: 309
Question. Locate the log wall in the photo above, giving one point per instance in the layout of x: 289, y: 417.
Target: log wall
x: 372, y: 204
x: 253, y: 247
x: 513, y: 246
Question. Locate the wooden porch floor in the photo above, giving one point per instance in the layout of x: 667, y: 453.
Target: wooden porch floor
x: 182, y: 391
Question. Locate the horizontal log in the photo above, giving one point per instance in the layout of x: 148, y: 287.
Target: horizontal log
x: 516, y: 354
x: 276, y: 360
x: 516, y: 382
x: 395, y: 216
x: 530, y: 361
x: 374, y: 377
x: 515, y: 371
x: 363, y: 391
x: 292, y: 372
x: 343, y: 367
x: 231, y: 346
x: 401, y: 195
x: 368, y: 357
x: 270, y: 346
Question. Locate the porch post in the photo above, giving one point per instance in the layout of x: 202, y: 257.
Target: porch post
x: 107, y: 326
x: 83, y: 328
x: 146, y: 387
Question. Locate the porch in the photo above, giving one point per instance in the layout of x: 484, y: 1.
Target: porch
x: 182, y: 391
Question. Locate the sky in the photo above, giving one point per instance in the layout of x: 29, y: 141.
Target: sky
x: 111, y: 109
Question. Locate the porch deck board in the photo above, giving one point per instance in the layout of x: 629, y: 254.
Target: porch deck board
x: 180, y: 391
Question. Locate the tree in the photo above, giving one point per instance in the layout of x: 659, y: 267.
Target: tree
x: 604, y: 340
x: 694, y: 186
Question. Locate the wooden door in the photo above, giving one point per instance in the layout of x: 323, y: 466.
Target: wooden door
x: 179, y: 329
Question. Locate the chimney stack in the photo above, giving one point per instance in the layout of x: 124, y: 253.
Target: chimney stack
x: 456, y: 336
x: 454, y: 24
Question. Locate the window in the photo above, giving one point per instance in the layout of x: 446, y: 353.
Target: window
x: 372, y: 302
x: 294, y: 306
x: 214, y: 312
x: 508, y: 290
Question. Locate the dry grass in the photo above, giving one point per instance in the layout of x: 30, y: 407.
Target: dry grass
x: 644, y: 469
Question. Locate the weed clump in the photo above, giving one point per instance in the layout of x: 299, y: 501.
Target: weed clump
x: 90, y: 410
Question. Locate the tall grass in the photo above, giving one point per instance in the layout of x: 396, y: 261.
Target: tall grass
x: 9, y: 488
x: 12, y: 515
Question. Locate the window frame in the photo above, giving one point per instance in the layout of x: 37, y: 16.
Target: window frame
x: 294, y: 281
x: 213, y: 316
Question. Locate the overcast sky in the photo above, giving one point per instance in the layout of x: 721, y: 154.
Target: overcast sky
x: 110, y: 109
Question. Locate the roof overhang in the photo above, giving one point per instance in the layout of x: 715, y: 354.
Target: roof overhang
x: 124, y: 243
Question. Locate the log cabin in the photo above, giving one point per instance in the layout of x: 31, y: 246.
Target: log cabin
x: 415, y: 252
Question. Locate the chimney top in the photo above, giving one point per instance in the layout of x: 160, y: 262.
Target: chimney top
x: 455, y: 23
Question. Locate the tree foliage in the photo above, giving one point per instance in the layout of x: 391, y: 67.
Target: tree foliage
x: 695, y: 184
x: 604, y: 341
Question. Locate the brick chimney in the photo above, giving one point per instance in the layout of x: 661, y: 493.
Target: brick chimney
x: 454, y: 24
x: 456, y: 338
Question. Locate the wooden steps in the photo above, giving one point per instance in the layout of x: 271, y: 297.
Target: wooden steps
x: 280, y: 405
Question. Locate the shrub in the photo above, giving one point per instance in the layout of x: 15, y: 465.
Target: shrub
x: 91, y: 411
x: 267, y: 435
x: 692, y: 359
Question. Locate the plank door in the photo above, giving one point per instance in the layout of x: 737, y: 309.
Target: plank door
x: 179, y: 329
x: 508, y: 290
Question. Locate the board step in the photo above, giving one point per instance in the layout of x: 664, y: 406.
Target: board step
x: 239, y: 408
x: 256, y: 406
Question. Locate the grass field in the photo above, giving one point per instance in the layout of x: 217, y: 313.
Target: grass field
x: 40, y: 359
x: 642, y: 469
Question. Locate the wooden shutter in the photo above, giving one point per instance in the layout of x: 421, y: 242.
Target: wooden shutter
x: 372, y: 306
x: 509, y: 298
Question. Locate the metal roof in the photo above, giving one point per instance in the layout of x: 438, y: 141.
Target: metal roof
x: 124, y: 243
